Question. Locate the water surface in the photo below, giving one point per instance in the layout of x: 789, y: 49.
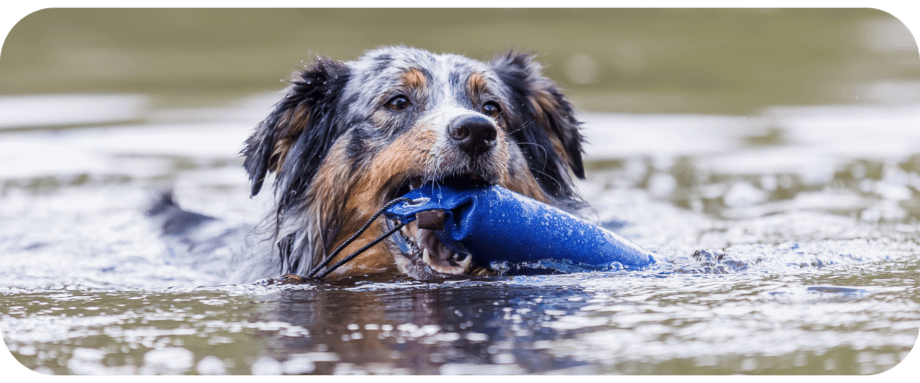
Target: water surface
x: 792, y: 154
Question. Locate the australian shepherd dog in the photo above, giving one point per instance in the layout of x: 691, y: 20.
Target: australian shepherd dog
x: 350, y: 136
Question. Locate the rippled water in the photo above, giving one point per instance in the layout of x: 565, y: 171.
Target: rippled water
x: 810, y: 215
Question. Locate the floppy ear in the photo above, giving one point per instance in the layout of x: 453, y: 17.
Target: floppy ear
x: 305, y: 114
x: 542, y: 118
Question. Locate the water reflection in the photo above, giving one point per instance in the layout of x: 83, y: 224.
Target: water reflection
x: 425, y: 329
x: 808, y: 213
x: 809, y: 269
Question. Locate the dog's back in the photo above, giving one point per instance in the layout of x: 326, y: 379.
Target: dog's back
x: 225, y: 249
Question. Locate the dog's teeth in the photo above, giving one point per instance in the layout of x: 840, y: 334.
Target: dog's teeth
x: 465, y: 263
x: 426, y: 257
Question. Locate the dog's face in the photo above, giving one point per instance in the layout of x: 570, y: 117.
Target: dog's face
x: 349, y: 137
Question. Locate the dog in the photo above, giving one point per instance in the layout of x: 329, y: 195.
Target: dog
x: 350, y: 136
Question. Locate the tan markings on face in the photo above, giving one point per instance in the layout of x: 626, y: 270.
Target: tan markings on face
x: 543, y: 101
x: 295, y: 120
x: 476, y: 86
x: 412, y: 82
x: 375, y: 260
x: 339, y: 205
x: 414, y: 78
x: 329, y: 194
x: 524, y: 183
x: 358, y: 195
x: 501, y: 156
x: 409, y: 155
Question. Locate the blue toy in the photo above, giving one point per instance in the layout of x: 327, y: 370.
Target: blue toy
x: 496, y: 224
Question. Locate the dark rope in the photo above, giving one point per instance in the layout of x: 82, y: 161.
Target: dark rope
x: 361, y: 250
x: 354, y: 237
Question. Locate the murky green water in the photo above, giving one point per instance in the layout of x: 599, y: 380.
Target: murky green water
x: 787, y: 140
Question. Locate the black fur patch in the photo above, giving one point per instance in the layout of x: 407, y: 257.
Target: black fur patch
x: 523, y: 78
x: 174, y: 221
x: 316, y: 89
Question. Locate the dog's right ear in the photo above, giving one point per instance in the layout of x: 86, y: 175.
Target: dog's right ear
x: 308, y: 107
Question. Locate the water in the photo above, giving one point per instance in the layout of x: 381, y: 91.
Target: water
x: 818, y: 276
x: 814, y: 207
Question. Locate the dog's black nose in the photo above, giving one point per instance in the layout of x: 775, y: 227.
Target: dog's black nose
x: 473, y: 134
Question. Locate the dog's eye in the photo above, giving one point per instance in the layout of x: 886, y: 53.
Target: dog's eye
x: 491, y: 109
x: 398, y: 103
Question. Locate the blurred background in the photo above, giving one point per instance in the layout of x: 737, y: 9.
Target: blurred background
x: 697, y: 96
x: 788, y: 139
x: 622, y: 60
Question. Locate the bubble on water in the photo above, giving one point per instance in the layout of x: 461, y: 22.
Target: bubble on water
x: 211, y: 365
x: 742, y: 194
x: 266, y: 366
x: 298, y: 365
x: 661, y: 185
x: 173, y: 360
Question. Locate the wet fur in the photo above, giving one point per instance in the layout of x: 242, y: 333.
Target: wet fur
x: 334, y: 150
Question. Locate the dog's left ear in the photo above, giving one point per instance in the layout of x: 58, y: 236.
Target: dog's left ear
x: 543, y: 117
x: 303, y: 119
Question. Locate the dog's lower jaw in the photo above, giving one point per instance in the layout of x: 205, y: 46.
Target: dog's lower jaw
x: 416, y: 268
x: 420, y: 254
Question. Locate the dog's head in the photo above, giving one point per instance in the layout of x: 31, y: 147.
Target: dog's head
x: 350, y: 136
